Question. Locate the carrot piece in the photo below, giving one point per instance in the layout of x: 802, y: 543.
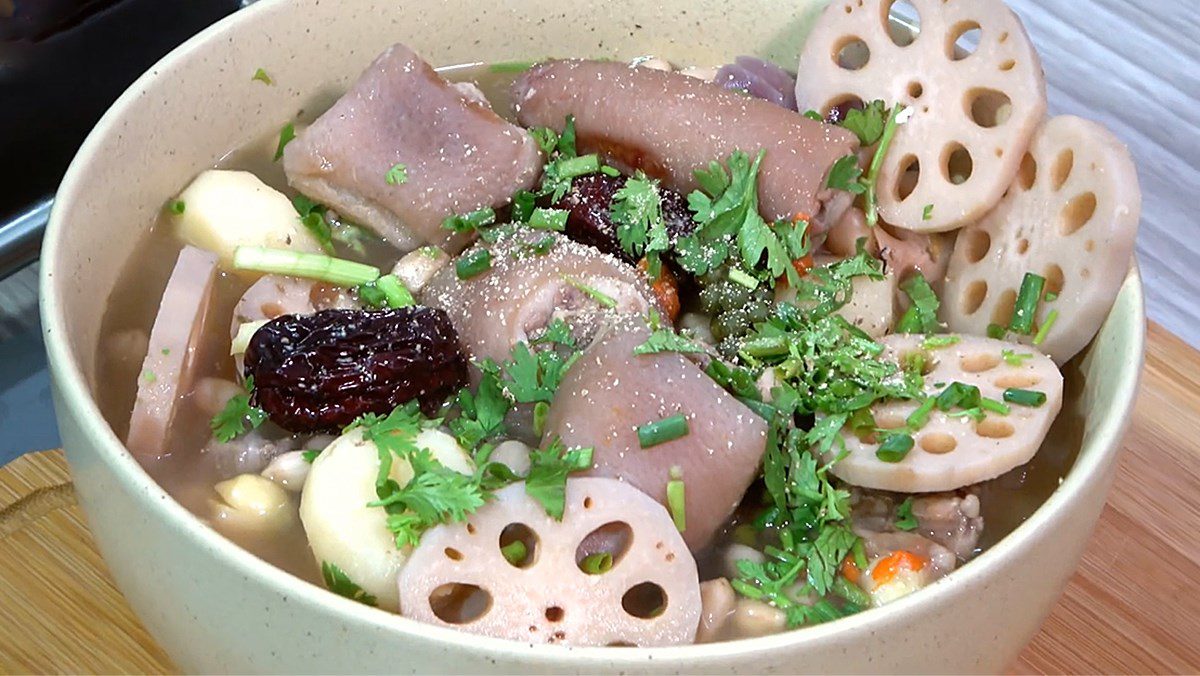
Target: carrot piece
x: 666, y: 289
x: 850, y: 570
x: 890, y: 566
x: 803, y: 265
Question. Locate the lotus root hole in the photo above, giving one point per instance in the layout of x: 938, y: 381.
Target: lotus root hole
x: 994, y: 428
x: 889, y: 422
x: 915, y: 90
x: 1090, y: 246
x: 979, y: 362
x: 1003, y: 311
x: 988, y: 107
x: 963, y: 40
x: 957, y: 164
x: 938, y: 443
x: 974, y: 296
x: 627, y: 644
x: 851, y: 53
x: 1077, y: 213
x: 1061, y: 169
x: 976, y: 243
x: 1022, y: 246
x: 1008, y: 65
x: 453, y: 554
x: 1019, y: 381
x: 839, y: 107
x: 645, y: 601
x: 470, y: 528
x: 554, y: 614
x: 613, y: 538
x: 1003, y: 37
x: 909, y: 177
x: 587, y: 502
x: 459, y: 603
x: 1054, y: 279
x: 519, y: 532
x: 902, y: 21
x: 1027, y: 174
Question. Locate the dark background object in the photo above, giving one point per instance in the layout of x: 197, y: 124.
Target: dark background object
x: 62, y: 64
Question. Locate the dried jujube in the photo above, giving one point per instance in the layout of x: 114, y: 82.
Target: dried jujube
x: 319, y: 372
x: 590, y: 220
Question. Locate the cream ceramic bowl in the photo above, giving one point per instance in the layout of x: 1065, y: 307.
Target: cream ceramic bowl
x: 216, y: 608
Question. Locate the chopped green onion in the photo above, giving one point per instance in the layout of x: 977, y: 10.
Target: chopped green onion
x: 549, y: 219
x: 996, y: 331
x: 1051, y: 297
x: 1013, y: 359
x: 473, y: 263
x: 515, y: 552
x: 177, y: 207
x: 261, y: 76
x: 285, y: 137
x: 1031, y: 398
x: 859, y: 551
x: 471, y: 221
x: 928, y: 213
x: 540, y: 411
x: 994, y: 406
x: 310, y: 455
x: 578, y: 166
x: 510, y: 66
x: 394, y: 291
x: 676, y: 504
x: 1045, y: 329
x: 245, y: 332
x: 935, y: 342
x: 609, y: 171
x: 740, y: 277
x: 895, y: 448
x: 958, y: 394
x: 597, y: 564
x: 662, y: 431
x: 850, y: 592
x: 600, y: 297
x: 149, y: 376
x: 396, y: 175
x: 1027, y: 301
x: 336, y: 271
x: 917, y: 419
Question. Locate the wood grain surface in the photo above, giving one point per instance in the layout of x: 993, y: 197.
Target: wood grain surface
x: 1131, y: 608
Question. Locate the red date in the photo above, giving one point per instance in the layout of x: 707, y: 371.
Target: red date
x: 319, y: 372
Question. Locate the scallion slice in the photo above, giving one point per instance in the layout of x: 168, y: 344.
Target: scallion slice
x: 1025, y: 309
x: 394, y: 291
x: 917, y: 419
x: 596, y: 564
x: 1045, y: 328
x: 662, y: 431
x: 473, y: 263
x: 1031, y: 398
x: 336, y: 271
x: 997, y: 332
x: 540, y: 411
x: 738, y: 276
x: 549, y: 219
x: 994, y: 406
x: 935, y: 342
x: 895, y: 448
x: 578, y: 166
x: 676, y: 504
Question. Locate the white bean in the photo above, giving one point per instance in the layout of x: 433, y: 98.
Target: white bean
x: 717, y: 604
x: 754, y: 618
x: 288, y: 470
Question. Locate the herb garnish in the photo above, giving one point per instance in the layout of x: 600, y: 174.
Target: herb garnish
x: 286, y: 134
x: 238, y: 417
x: 661, y: 431
x: 548, y: 470
x: 904, y: 515
x: 261, y: 76
x: 637, y: 213
x: 397, y: 175
x: 312, y: 217
x: 338, y: 582
x: 921, y: 315
x: 1025, y: 309
x: 846, y: 175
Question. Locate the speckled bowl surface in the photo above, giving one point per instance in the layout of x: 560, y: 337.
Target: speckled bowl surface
x: 216, y: 608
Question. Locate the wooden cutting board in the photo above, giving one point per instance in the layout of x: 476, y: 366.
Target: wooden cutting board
x: 1132, y: 607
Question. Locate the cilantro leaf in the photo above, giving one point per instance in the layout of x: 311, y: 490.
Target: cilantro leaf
x: 867, y: 123
x: 828, y: 288
x: 238, y: 416
x: 921, y: 315
x: 482, y: 412
x: 534, y: 376
x: 397, y: 175
x: 846, y: 175
x: 666, y: 340
x: 338, y: 582
x: 637, y: 213
x: 904, y: 515
x: 548, y: 470
x: 557, y: 331
x: 312, y: 217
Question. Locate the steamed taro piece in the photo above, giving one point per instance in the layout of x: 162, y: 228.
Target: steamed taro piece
x: 648, y: 596
x: 668, y: 125
x: 611, y: 392
x: 169, y: 370
x: 523, y: 290
x: 456, y: 153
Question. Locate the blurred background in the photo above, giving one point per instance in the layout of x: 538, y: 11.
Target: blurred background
x: 1127, y: 63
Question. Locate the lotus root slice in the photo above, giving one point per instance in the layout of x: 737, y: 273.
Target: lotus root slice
x: 973, y: 113
x: 1071, y: 216
x: 458, y: 577
x: 951, y: 452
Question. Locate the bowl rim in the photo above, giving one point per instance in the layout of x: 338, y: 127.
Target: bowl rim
x: 73, y: 389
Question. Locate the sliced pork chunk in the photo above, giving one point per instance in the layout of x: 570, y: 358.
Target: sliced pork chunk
x: 610, y: 392
x: 524, y: 290
x: 168, y: 370
x: 458, y: 154
x: 669, y: 124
